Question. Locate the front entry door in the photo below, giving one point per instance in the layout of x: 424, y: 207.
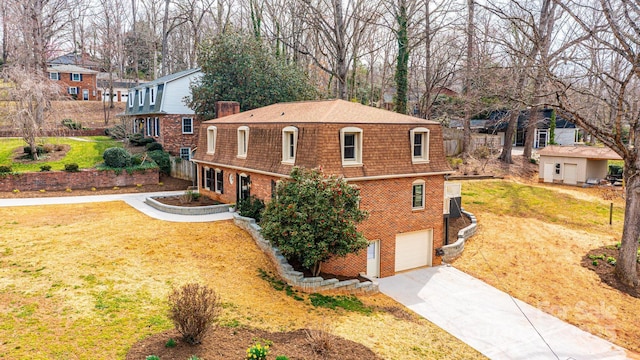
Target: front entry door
x: 244, y: 187
x: 373, y: 259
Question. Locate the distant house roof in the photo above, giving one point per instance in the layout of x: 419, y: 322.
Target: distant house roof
x: 70, y: 69
x: 75, y: 59
x: 168, y: 78
x: 320, y: 111
x: 588, y: 152
x: 499, y: 119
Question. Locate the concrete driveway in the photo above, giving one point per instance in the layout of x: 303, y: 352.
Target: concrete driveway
x: 490, y: 320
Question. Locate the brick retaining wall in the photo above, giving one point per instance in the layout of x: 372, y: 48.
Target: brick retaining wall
x: 83, y: 179
x: 59, y: 132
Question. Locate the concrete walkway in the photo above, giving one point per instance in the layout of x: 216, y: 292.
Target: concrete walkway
x: 135, y: 200
x: 488, y: 319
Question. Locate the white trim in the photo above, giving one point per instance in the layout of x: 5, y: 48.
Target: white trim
x: 73, y: 77
x: 287, y: 144
x: 421, y: 183
x: 130, y: 97
x: 182, y: 124
x: 56, y: 77
x: 153, y: 93
x: 188, y: 153
x: 74, y: 92
x: 424, y: 150
x: 215, y: 180
x: 243, y: 141
x: 212, y: 133
x: 141, y: 94
x: 357, y: 132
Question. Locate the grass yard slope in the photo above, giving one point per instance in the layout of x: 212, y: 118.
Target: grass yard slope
x: 88, y: 281
x: 530, y: 244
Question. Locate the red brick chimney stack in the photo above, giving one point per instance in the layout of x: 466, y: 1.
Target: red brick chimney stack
x: 226, y: 108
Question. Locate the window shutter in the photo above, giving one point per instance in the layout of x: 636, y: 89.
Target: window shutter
x: 71, y: 76
x: 204, y: 177
x: 80, y: 77
x: 221, y: 182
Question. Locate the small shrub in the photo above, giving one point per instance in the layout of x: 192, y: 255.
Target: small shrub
x: 15, y: 191
x: 4, y: 169
x: 116, y: 157
x: 58, y: 147
x: 71, y: 124
x: 611, y: 260
x: 154, y: 146
x: 193, y: 308
x: 482, y: 152
x: 533, y: 161
x: 48, y: 148
x: 594, y: 263
x: 162, y: 159
x: 45, y: 168
x: 73, y: 167
x: 319, y: 340
x: 171, y: 343
x: 139, y: 140
x: 152, y: 357
x: 118, y: 131
x: 257, y: 352
x: 251, y: 207
x: 189, y: 196
x: 281, y: 357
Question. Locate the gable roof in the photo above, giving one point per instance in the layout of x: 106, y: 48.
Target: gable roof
x: 70, y: 69
x: 74, y: 59
x: 588, y: 152
x: 320, y: 111
x: 168, y: 78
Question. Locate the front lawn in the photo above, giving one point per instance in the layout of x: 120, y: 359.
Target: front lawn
x: 531, y: 244
x: 84, y: 151
x: 88, y: 281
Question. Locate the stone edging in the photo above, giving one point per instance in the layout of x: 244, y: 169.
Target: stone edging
x: 296, y: 278
x: 454, y: 250
x: 186, y: 210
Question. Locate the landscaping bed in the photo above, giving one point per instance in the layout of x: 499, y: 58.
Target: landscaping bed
x: 186, y: 201
x: 602, y: 260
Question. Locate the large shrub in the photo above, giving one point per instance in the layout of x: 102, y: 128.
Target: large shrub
x: 193, y: 308
x: 116, y: 157
x: 313, y: 218
x: 162, y: 159
x: 251, y: 207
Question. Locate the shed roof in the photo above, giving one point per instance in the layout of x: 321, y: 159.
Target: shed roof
x: 320, y: 111
x: 588, y: 152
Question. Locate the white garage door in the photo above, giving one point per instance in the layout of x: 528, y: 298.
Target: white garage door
x: 571, y: 174
x: 414, y: 249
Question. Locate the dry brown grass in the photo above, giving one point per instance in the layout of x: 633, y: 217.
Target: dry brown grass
x: 538, y: 262
x: 88, y: 281
x: 89, y: 113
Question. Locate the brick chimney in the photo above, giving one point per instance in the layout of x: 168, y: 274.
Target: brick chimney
x: 226, y: 108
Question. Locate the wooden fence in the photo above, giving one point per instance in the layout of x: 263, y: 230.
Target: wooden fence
x: 453, y: 141
x: 183, y: 169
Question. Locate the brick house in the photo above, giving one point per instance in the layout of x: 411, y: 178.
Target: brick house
x: 77, y: 82
x: 157, y: 109
x: 397, y: 161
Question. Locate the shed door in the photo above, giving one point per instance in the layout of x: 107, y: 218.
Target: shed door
x: 571, y: 174
x: 414, y: 249
x: 548, y: 172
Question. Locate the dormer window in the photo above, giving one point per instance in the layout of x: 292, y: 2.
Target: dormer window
x: 212, y: 131
x: 152, y: 95
x: 243, y: 141
x: 419, y: 145
x: 130, y: 97
x: 289, y: 145
x: 351, y: 146
x: 141, y: 97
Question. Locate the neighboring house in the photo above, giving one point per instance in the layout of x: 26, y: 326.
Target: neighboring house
x: 77, y: 82
x: 121, y: 87
x: 396, y: 160
x: 566, y: 133
x: 157, y: 109
x: 574, y: 165
x: 82, y: 60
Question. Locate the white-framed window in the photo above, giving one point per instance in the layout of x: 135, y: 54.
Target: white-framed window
x: 207, y: 178
x: 130, y: 97
x: 73, y: 90
x: 289, y: 144
x: 152, y: 95
x: 54, y: 75
x: 76, y: 77
x: 141, y: 97
x: 187, y: 125
x: 243, y: 141
x: 420, y: 145
x: 149, y: 126
x: 417, y: 198
x: 156, y: 126
x: 212, y: 131
x: 219, y: 181
x: 351, y: 146
x: 185, y: 153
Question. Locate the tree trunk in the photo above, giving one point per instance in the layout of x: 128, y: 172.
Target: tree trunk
x: 315, y: 271
x: 165, y: 40
x: 530, y: 134
x: 626, y: 264
x: 505, y: 156
x: 466, y: 122
x: 402, y: 63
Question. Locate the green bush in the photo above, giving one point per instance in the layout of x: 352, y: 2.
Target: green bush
x: 73, y: 167
x: 39, y: 149
x: 251, y: 207
x: 152, y: 357
x: 139, y: 140
x: 154, y: 146
x: 136, y: 159
x: 162, y: 159
x: 45, y: 168
x: 171, y: 343
x: 71, y: 124
x: 116, y: 157
x: 4, y: 169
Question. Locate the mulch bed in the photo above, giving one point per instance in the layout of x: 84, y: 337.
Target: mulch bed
x: 232, y: 343
x: 180, y: 201
x: 19, y: 156
x: 606, y: 271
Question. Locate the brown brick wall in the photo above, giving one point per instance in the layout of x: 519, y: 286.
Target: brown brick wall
x: 88, y: 82
x: 84, y: 179
x: 260, y: 185
x: 171, y: 136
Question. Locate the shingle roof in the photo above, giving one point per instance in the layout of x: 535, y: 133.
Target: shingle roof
x: 320, y: 111
x: 167, y: 78
x: 589, y: 152
x: 70, y: 69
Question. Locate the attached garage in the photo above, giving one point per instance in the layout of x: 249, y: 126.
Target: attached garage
x: 414, y: 249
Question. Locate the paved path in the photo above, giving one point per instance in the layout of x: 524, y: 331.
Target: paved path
x: 488, y: 319
x: 134, y: 200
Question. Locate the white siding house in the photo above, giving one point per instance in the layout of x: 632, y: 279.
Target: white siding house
x: 574, y: 165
